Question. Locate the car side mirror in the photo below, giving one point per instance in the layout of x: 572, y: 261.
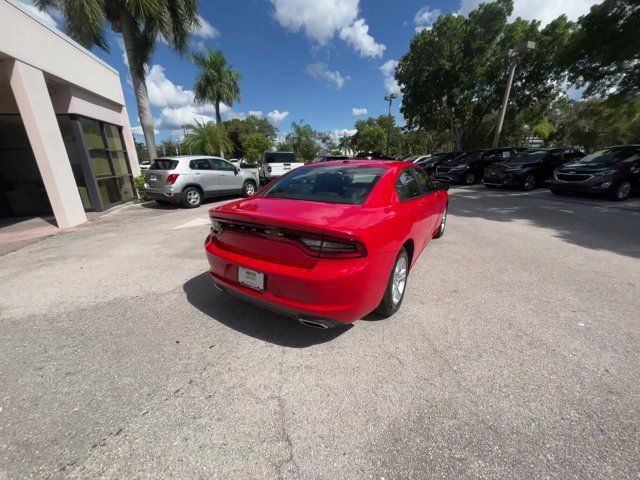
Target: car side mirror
x: 444, y: 186
x: 236, y: 170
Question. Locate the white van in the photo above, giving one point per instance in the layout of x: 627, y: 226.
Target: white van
x: 276, y: 164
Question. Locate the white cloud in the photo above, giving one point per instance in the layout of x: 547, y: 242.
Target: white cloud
x: 321, y: 70
x: 543, y: 10
x: 163, y: 92
x: 206, y: 30
x: 51, y: 18
x: 357, y: 35
x: 137, y: 131
x: 276, y: 116
x: 345, y: 132
x: 358, y: 112
x: 255, y: 113
x: 425, y: 17
x: 388, y: 70
x: 322, y: 19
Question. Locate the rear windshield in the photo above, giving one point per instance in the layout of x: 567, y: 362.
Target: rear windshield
x: 279, y: 157
x: 349, y: 185
x: 164, y: 164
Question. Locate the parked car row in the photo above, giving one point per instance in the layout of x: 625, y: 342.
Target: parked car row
x: 613, y: 172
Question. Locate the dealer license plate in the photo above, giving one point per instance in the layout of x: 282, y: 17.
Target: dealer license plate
x: 251, y: 278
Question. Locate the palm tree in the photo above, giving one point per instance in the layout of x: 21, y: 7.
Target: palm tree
x: 208, y: 138
x: 141, y: 23
x: 217, y: 81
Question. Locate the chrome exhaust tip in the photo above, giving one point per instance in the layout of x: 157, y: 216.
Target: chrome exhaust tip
x: 219, y: 288
x: 313, y: 324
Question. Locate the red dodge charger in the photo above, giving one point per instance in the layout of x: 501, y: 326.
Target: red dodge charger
x: 327, y: 243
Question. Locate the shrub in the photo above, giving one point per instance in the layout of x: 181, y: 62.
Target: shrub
x: 139, y: 183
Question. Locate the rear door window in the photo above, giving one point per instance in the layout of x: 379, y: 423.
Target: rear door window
x: 279, y: 157
x: 200, y: 164
x: 218, y: 164
x: 407, y: 186
x: 164, y: 164
x: 423, y: 181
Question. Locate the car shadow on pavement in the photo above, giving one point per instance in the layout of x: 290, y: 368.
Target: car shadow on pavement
x: 253, y: 321
x: 153, y: 205
x: 593, y: 223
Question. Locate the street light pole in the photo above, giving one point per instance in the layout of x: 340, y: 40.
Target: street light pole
x: 513, y: 55
x: 389, y: 98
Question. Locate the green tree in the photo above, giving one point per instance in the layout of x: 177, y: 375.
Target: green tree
x: 372, y: 139
x: 454, y: 75
x: 208, y: 139
x: 169, y: 147
x: 255, y: 145
x: 239, y: 129
x: 303, y: 141
x: 597, y: 123
x: 544, y: 129
x: 141, y: 150
x: 216, y: 82
x: 604, y: 52
x: 396, y: 136
x: 140, y: 22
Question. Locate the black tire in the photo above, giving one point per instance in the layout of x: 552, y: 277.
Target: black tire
x: 443, y: 224
x: 469, y: 178
x: 249, y: 188
x: 191, y: 197
x: 388, y: 306
x: 529, y: 182
x: 620, y: 191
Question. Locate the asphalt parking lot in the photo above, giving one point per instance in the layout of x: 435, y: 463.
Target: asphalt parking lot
x: 515, y: 355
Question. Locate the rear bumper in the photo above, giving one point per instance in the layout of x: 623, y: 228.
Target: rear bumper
x: 158, y: 194
x: 335, y: 291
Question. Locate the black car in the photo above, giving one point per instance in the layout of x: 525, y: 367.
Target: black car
x: 529, y: 169
x: 468, y: 168
x: 614, y: 172
x: 329, y: 158
x: 372, y: 156
x: 430, y: 162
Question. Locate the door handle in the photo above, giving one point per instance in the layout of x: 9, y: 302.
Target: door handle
x: 196, y: 173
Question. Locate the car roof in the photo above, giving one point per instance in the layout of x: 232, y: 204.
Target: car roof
x: 187, y: 157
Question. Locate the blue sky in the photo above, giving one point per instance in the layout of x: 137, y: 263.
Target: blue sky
x: 328, y: 62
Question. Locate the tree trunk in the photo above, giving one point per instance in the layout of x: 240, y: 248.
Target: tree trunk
x: 139, y: 85
x: 219, y: 123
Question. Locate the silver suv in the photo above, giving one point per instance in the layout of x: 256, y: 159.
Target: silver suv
x: 190, y: 179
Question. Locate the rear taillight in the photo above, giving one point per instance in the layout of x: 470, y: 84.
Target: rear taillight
x: 269, y: 169
x: 171, y: 179
x: 216, y: 227
x: 334, y: 248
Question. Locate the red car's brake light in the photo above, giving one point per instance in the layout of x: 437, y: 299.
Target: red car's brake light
x: 334, y: 248
x: 171, y: 179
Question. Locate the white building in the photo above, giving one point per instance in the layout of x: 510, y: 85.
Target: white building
x: 65, y: 142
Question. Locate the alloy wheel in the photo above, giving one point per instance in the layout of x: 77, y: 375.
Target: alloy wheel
x: 193, y: 197
x: 249, y: 189
x: 469, y: 178
x: 399, y: 280
x: 623, y: 191
x: 529, y: 182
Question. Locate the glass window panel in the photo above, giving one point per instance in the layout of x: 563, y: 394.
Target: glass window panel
x: 66, y: 127
x: 13, y: 135
x: 109, y: 190
x: 112, y: 133
x: 92, y: 134
x: 126, y: 188
x: 100, y: 162
x: 120, y: 163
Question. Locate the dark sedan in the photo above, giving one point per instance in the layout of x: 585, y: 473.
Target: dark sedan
x: 431, y: 162
x: 614, y: 172
x: 530, y: 169
x: 468, y: 168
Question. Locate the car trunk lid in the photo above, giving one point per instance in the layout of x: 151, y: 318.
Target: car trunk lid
x: 267, y: 229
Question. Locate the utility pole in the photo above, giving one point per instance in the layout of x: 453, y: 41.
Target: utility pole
x: 513, y: 54
x: 389, y: 98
